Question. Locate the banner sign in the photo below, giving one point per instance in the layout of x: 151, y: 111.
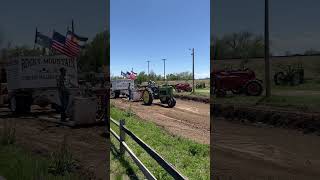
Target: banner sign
x: 40, y: 72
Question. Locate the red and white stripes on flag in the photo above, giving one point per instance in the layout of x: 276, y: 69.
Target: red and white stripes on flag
x: 59, y: 44
x: 71, y: 43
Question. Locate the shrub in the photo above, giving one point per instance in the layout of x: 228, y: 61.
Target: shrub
x: 8, y: 135
x: 61, y: 161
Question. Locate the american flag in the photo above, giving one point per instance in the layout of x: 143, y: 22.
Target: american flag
x: 59, y: 44
x: 72, y: 43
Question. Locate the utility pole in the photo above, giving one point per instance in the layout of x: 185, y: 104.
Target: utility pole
x: 193, y: 85
x: 148, y: 66
x: 267, y: 50
x: 164, y: 69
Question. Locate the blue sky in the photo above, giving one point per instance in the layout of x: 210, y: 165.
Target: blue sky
x: 20, y: 18
x: 293, y: 23
x: 144, y: 30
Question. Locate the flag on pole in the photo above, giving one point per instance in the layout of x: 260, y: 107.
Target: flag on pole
x: 132, y: 76
x: 128, y: 74
x: 59, y: 44
x: 72, y: 44
x: 81, y: 41
x: 42, y: 40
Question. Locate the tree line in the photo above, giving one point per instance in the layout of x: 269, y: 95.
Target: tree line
x: 144, y: 77
x: 243, y: 45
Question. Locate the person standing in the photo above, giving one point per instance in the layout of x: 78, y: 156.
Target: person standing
x: 130, y: 92
x: 63, y: 93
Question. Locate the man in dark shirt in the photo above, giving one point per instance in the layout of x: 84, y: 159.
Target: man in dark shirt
x: 130, y: 91
x: 63, y: 93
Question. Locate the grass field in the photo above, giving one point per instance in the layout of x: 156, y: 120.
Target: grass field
x: 206, y: 81
x: 199, y: 92
x: 305, y: 96
x: 16, y: 163
x: 305, y: 103
x: 190, y: 158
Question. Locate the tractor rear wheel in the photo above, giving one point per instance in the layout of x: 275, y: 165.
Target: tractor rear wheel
x: 171, y: 102
x: 147, y: 97
x: 254, y: 88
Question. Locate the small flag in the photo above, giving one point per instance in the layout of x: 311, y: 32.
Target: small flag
x: 42, y: 40
x: 132, y: 76
x: 59, y: 44
x: 123, y: 74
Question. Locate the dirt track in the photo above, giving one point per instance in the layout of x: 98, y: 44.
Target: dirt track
x: 251, y: 152
x: 188, y: 119
x: 240, y: 151
x: 88, y: 145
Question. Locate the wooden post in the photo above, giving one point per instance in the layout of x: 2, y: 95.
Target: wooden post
x: 122, y: 136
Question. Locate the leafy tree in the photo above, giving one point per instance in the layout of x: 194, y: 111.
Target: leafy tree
x: 95, y: 53
x: 311, y: 52
x: 242, y: 45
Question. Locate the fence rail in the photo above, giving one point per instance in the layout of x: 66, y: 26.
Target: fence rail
x: 124, y: 147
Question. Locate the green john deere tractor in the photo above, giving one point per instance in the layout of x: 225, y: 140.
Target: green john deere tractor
x: 164, y: 93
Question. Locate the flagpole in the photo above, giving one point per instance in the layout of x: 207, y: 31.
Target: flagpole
x: 72, y: 24
x: 35, y: 40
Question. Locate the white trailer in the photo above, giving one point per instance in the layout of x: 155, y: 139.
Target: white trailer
x: 121, y: 87
x: 33, y: 80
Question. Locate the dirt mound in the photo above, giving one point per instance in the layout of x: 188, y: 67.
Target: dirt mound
x: 193, y: 98
x: 286, y: 118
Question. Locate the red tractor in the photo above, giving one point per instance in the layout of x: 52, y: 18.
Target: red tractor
x: 183, y: 87
x: 238, y: 82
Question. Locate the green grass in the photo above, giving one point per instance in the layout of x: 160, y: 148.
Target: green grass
x: 309, y: 85
x: 18, y: 164
x: 308, y: 102
x: 190, y: 158
x: 203, y: 92
x: 199, y: 92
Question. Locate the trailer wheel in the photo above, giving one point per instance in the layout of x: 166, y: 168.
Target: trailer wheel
x: 13, y: 104
x: 20, y: 104
x: 116, y: 94
x: 112, y: 95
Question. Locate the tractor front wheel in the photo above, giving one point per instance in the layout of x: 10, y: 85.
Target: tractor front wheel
x: 221, y: 93
x: 147, y: 97
x: 295, y: 79
x: 279, y: 78
x: 171, y: 102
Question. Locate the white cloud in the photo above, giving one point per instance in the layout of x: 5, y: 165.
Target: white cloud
x: 202, y: 75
